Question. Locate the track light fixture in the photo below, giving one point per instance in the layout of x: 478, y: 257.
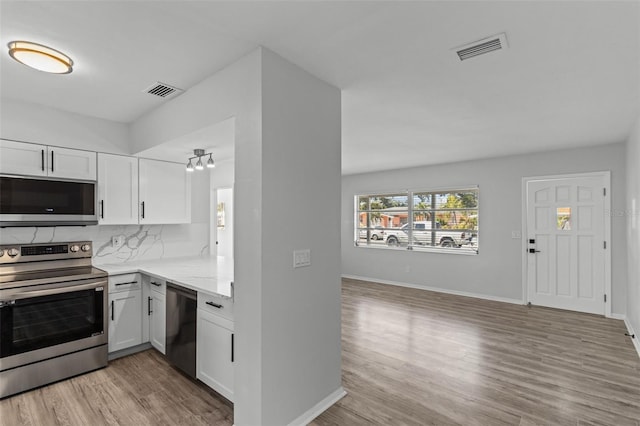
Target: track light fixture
x: 199, y: 153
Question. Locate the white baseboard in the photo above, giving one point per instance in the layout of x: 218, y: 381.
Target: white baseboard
x: 308, y: 416
x: 636, y: 340
x: 437, y: 289
x: 618, y: 317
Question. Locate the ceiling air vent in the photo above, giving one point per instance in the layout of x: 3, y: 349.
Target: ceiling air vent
x: 163, y: 90
x: 480, y: 47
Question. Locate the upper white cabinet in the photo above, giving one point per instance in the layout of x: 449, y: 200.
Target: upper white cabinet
x: 23, y: 158
x: 117, y: 189
x: 165, y: 192
x: 40, y: 160
x: 71, y: 163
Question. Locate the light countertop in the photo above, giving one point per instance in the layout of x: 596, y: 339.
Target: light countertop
x: 209, y: 274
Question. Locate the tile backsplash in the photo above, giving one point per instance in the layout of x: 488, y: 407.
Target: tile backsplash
x: 140, y: 242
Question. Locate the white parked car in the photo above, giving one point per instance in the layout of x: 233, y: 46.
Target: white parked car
x: 423, y: 235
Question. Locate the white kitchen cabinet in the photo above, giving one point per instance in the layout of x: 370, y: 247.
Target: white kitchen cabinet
x: 154, y: 314
x: 117, y: 189
x: 157, y: 321
x: 71, y: 163
x: 165, y: 192
x: 21, y: 158
x: 215, y: 352
x: 125, y: 319
x: 125, y: 311
x: 29, y: 159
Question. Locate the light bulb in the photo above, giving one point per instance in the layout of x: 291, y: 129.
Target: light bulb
x: 210, y: 163
x: 189, y: 166
x: 199, y: 165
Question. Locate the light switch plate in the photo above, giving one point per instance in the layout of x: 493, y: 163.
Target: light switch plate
x: 301, y: 258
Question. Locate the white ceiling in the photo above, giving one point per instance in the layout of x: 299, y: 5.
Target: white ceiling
x: 569, y: 78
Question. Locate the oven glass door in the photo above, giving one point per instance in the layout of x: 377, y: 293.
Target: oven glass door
x: 38, y: 322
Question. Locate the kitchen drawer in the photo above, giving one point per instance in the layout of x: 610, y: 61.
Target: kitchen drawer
x: 156, y: 284
x: 216, y: 305
x: 124, y: 282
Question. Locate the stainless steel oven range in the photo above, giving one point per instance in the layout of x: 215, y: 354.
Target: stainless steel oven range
x: 53, y: 314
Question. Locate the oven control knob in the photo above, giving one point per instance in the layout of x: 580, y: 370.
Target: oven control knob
x: 74, y: 248
x: 1, y: 252
x: 86, y: 247
x: 13, y: 252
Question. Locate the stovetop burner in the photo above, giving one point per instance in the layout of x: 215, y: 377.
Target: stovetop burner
x: 34, y: 264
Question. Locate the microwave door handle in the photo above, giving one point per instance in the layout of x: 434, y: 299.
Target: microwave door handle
x: 42, y: 158
x: 51, y: 161
x: 58, y: 290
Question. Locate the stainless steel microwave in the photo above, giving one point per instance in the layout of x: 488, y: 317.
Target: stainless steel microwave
x: 36, y: 201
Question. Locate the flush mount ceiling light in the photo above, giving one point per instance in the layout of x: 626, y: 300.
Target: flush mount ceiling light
x: 199, y: 153
x: 40, y: 57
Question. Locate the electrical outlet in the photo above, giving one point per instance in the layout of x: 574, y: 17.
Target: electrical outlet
x: 117, y: 241
x: 301, y: 258
x: 516, y: 235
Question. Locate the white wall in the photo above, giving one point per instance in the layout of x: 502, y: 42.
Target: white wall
x: 633, y: 222
x: 496, y: 272
x: 300, y: 210
x: 28, y: 122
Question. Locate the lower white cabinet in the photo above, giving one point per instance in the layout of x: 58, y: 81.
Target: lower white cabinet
x: 157, y: 320
x: 125, y: 319
x: 155, y: 312
x: 215, y: 352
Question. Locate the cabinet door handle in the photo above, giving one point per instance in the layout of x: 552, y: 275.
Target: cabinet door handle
x: 42, y: 158
x: 156, y: 284
x: 142, y: 204
x: 130, y: 282
x: 112, y: 314
x: 232, y: 347
x: 51, y: 161
x: 149, y: 311
x: 215, y: 305
x: 102, y: 209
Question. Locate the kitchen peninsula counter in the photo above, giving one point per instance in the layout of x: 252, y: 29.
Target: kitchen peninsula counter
x: 208, y: 274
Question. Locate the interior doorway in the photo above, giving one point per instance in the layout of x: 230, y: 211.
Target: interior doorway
x: 222, y: 222
x: 567, y: 246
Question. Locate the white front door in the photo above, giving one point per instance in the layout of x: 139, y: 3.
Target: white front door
x: 566, y: 245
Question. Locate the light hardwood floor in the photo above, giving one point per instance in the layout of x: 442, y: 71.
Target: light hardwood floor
x: 416, y: 358
x: 410, y: 357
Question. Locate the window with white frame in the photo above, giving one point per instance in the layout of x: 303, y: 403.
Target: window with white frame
x: 436, y: 220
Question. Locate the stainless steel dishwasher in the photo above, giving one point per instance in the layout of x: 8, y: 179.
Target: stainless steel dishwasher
x: 181, y: 328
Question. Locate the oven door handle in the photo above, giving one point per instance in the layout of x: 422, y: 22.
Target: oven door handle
x: 57, y: 290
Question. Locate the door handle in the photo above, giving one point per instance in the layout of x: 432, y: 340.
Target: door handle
x: 42, y: 158
x: 112, y: 315
x: 101, y: 209
x: 232, y: 347
x: 532, y: 250
x: 51, y: 161
x: 142, y: 209
x: 149, y: 311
